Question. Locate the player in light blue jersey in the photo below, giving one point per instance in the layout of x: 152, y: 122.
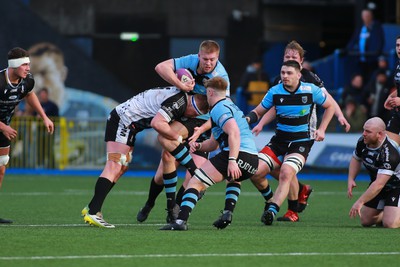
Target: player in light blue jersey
x: 203, y: 66
x: 294, y: 135
x: 238, y: 159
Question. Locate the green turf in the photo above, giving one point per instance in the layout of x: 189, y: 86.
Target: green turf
x: 48, y: 229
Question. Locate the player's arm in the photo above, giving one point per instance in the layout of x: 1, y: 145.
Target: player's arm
x: 390, y: 102
x: 266, y: 119
x: 232, y: 130
x: 162, y: 126
x: 207, y: 146
x: 8, y: 131
x: 199, y: 130
x: 372, y: 191
x: 33, y: 101
x: 256, y: 114
x: 166, y: 70
x: 326, y: 118
x: 354, y: 170
x: 338, y: 112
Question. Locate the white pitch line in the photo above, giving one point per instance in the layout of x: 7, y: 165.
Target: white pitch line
x: 296, y: 254
x: 78, y: 225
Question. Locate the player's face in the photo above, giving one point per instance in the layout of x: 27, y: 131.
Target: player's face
x: 370, y: 135
x: 398, y: 47
x: 23, y: 70
x: 208, y: 61
x: 291, y: 54
x: 290, y: 77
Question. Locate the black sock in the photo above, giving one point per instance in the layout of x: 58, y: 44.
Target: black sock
x: 189, y: 201
x: 181, y: 154
x: 179, y: 195
x: 232, y: 193
x: 170, y: 180
x: 154, y: 191
x: 267, y: 193
x: 292, y: 205
x: 101, y: 189
x: 300, y: 187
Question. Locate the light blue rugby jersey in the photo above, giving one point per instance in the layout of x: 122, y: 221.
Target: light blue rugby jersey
x: 191, y: 63
x: 220, y: 113
x: 294, y: 110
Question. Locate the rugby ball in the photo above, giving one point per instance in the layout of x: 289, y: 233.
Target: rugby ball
x: 184, y: 75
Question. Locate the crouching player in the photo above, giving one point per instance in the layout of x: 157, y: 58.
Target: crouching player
x: 380, y: 203
x: 238, y: 159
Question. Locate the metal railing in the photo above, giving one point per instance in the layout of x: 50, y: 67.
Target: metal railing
x: 76, y: 143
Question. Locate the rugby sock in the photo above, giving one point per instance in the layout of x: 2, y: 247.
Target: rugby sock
x: 273, y: 208
x: 179, y: 195
x: 266, y: 193
x: 170, y: 180
x: 181, y: 154
x: 300, y: 187
x: 232, y: 193
x: 292, y: 205
x: 101, y: 189
x: 154, y: 191
x: 189, y: 201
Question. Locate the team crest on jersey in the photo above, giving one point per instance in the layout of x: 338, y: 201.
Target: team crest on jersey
x: 175, y: 105
x: 387, y: 166
x: 281, y: 99
x: 304, y: 99
x: 302, y: 149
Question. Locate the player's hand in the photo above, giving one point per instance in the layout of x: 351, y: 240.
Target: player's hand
x: 346, y: 125
x: 9, y: 132
x: 355, y: 210
x: 234, y: 171
x: 49, y: 125
x: 319, y: 135
x: 194, y: 146
x: 350, y: 186
x: 257, y: 129
x: 187, y: 86
x: 196, y: 133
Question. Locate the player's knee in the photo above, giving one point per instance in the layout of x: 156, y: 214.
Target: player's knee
x: 4, y: 160
x: 391, y: 224
x: 167, y: 157
x: 294, y: 162
x: 119, y: 158
x: 203, y: 178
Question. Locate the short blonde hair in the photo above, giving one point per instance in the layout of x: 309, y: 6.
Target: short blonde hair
x: 209, y: 46
x: 294, y: 45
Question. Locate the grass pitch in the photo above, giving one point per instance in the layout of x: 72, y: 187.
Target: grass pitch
x: 48, y: 229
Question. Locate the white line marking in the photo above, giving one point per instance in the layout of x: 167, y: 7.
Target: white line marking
x: 78, y: 225
x: 198, y: 255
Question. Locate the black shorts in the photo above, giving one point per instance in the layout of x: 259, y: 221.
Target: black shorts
x: 248, y: 164
x: 116, y: 131
x: 387, y: 197
x: 393, y: 124
x: 281, y: 148
x: 191, y: 123
x: 4, y: 142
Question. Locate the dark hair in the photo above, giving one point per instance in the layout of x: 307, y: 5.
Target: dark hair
x: 292, y: 63
x: 17, y: 52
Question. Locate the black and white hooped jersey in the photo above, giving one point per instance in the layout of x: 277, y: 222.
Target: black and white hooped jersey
x: 384, y: 160
x: 141, y: 109
x: 12, y: 94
